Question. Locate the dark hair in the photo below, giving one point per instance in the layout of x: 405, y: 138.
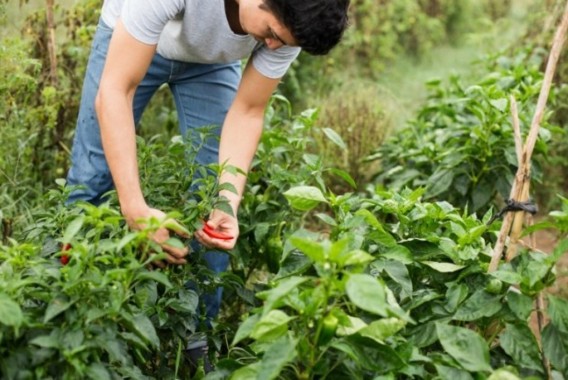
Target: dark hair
x: 317, y: 25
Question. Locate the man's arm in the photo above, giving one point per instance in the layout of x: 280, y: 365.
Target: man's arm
x: 126, y: 64
x: 239, y: 139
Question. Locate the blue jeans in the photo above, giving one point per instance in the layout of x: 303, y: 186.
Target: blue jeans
x: 203, y: 94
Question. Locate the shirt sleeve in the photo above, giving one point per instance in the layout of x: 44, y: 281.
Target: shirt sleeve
x: 274, y: 63
x: 145, y: 19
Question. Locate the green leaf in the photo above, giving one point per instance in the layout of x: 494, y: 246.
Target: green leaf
x: 228, y: 186
x: 455, y: 295
x: 46, y: 341
x: 439, y: 182
x: 304, y: 198
x: 338, y: 252
x: 225, y: 207
x: 558, y: 311
x: 175, y: 226
x: 278, y: 354
x: 116, y: 349
x: 154, y: 276
x: 294, y: 264
x: 345, y: 176
x: 519, y: 343
x: 399, y: 273
x: 423, y: 335
x: 97, y: 371
x: 271, y: 326
x: 443, y: 267
x: 465, y: 346
x: 399, y: 253
x: 313, y: 249
x: 73, y: 228
x: 382, y: 329
x: 504, y: 374
x: 352, y: 326
x: 126, y: 239
x: 472, y: 235
x: 358, y: 257
x: 175, y: 243
x: 380, y: 235
x: 57, y: 306
x: 367, y: 293
x: 283, y: 288
x: 248, y: 372
x: 326, y: 219
x: 480, y: 304
x: 450, y: 373
x: 10, y: 312
x: 145, y: 329
x: 334, y: 137
x: 370, y: 354
x: 520, y: 304
x: 500, y: 104
x: 555, y: 347
x: 508, y: 277
x: 246, y: 328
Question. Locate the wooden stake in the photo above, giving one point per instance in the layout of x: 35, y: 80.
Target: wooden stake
x: 523, y: 172
x: 517, y: 129
x: 518, y: 221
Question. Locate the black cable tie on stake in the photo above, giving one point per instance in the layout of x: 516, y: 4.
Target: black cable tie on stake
x: 514, y: 206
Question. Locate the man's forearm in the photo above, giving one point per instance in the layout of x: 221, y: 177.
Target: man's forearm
x: 118, y: 135
x: 241, y: 132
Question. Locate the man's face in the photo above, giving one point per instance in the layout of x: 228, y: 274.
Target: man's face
x: 258, y: 21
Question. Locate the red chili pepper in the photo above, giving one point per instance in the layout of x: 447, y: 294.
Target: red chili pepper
x: 64, y: 259
x: 214, y: 234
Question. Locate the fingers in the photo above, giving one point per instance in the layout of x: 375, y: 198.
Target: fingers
x: 216, y: 239
x: 174, y: 255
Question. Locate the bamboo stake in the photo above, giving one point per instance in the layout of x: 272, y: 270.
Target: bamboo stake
x: 524, y: 195
x: 517, y: 129
x: 518, y: 219
x: 557, y: 45
x: 523, y: 172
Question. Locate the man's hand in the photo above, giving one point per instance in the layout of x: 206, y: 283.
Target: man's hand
x: 173, y: 255
x: 220, y: 231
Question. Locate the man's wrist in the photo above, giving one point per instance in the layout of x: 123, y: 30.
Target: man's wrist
x: 133, y: 209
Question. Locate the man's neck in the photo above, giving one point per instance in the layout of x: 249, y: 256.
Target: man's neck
x: 232, y: 13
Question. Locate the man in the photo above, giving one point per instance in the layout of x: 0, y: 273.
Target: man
x: 195, y: 46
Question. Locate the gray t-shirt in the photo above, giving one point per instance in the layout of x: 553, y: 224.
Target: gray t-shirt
x: 195, y: 31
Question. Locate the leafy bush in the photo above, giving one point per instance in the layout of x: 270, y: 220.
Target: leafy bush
x: 392, y: 286
x: 461, y: 146
x: 38, y: 112
x: 400, y: 289
x: 79, y: 298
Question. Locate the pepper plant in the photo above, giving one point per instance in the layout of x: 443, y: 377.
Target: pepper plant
x: 461, y: 146
x: 398, y: 289
x: 80, y: 298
